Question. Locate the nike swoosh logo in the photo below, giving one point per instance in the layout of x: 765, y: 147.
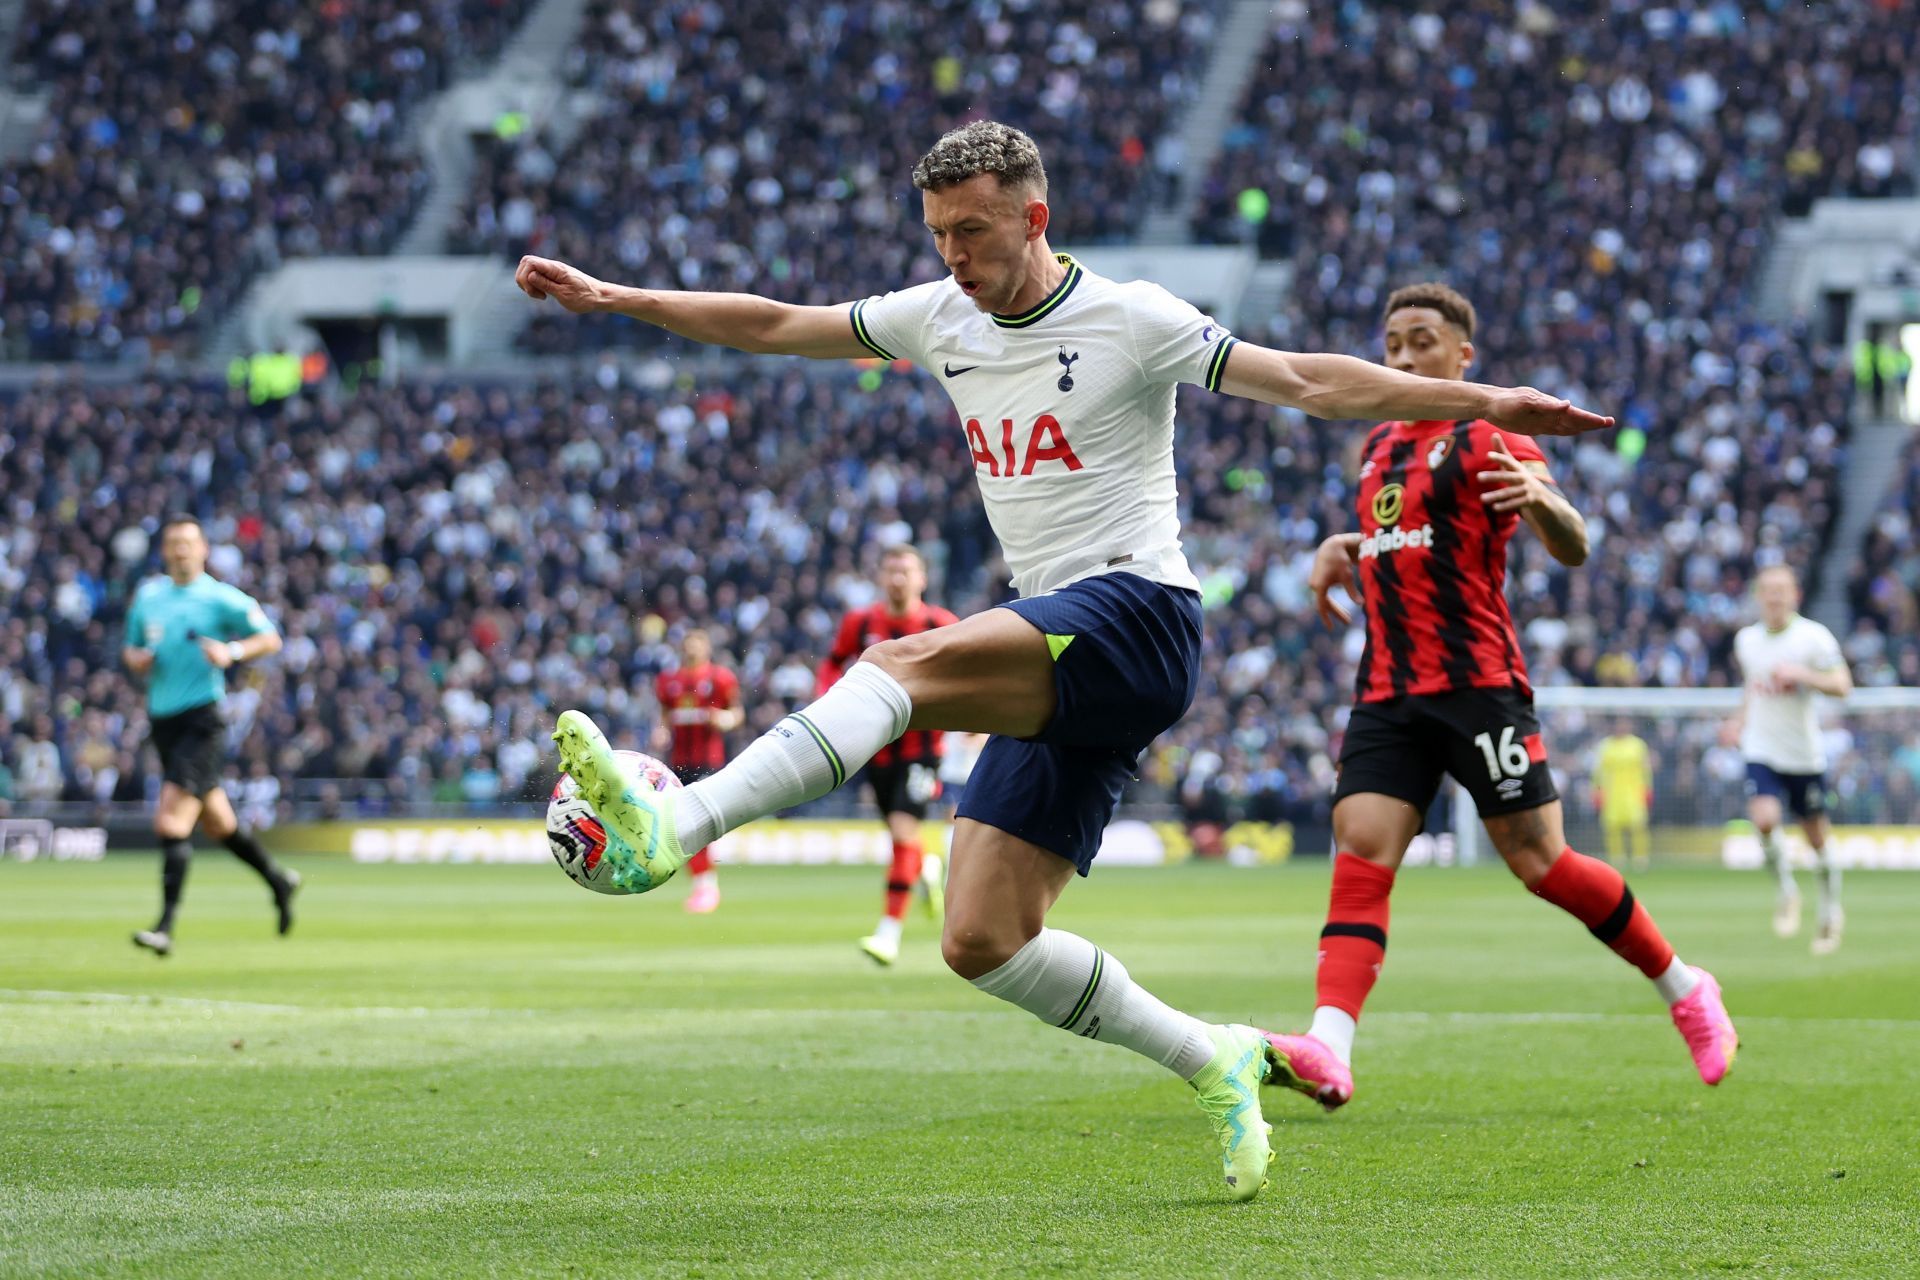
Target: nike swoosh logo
x: 952, y: 372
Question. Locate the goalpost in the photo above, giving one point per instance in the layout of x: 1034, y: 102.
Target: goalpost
x: 1698, y: 808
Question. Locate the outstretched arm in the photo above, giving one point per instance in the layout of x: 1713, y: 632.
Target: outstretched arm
x: 1329, y: 386
x: 1334, y: 565
x: 742, y: 321
x: 1527, y: 487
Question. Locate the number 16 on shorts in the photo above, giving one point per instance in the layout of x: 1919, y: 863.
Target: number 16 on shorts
x: 1513, y: 756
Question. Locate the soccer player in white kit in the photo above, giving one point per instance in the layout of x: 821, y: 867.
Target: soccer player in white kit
x: 1784, y: 660
x: 1064, y: 383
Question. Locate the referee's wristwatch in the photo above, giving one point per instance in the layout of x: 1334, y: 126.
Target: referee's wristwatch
x: 236, y: 651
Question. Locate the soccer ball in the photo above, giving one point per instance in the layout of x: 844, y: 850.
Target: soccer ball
x: 574, y: 835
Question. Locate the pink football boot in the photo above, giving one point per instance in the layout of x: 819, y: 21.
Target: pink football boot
x: 705, y: 898
x: 1305, y: 1065
x: 1708, y: 1031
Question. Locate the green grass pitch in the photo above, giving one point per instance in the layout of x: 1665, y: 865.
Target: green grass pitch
x: 453, y: 1071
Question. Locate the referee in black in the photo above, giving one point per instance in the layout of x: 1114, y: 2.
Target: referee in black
x: 183, y: 632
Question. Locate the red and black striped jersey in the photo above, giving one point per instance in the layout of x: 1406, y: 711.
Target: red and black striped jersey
x: 688, y: 698
x: 1433, y: 562
x: 863, y: 628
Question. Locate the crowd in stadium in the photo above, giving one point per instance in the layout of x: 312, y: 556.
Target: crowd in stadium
x: 710, y: 163
x: 451, y: 564
x: 1619, y: 269
x: 449, y: 561
x: 189, y: 145
x: 1884, y: 593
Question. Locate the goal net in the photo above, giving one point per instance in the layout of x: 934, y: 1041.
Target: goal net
x: 1697, y: 775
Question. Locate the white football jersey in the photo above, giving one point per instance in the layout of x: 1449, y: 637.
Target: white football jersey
x: 1068, y: 410
x: 1781, y: 731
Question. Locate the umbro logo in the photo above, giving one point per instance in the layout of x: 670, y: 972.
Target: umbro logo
x: 952, y: 372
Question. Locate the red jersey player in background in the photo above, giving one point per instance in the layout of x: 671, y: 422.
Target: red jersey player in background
x: 1442, y: 689
x: 699, y: 703
x: 905, y: 774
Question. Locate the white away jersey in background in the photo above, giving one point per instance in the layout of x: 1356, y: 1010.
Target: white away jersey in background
x: 1068, y: 411
x: 1781, y: 731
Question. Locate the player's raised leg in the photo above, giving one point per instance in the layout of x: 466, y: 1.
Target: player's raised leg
x: 1533, y: 842
x: 999, y: 889
x: 979, y: 674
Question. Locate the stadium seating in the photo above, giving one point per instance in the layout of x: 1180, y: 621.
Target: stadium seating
x: 463, y: 554
x: 445, y: 562
x: 189, y: 145
x: 1884, y: 593
x: 1655, y: 150
x: 448, y: 563
x: 741, y: 146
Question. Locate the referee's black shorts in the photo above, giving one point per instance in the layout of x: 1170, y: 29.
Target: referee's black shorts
x: 192, y: 747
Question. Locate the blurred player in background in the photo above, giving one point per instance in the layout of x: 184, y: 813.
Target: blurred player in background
x: 1065, y: 382
x: 1443, y: 690
x: 1784, y: 660
x: 1623, y: 790
x: 699, y: 705
x: 183, y: 631
x: 904, y: 774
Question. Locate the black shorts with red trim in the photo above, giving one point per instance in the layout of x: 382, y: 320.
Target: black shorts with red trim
x: 1488, y: 739
x: 905, y: 786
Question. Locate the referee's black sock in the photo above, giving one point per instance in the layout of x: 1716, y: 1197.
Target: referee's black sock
x: 248, y: 850
x: 174, y: 857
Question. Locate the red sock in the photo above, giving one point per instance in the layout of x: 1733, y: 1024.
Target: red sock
x: 700, y: 863
x: 1354, y: 943
x: 1594, y: 894
x: 904, y: 874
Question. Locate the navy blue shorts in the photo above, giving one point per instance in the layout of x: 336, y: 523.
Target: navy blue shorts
x: 1126, y: 663
x: 1804, y: 794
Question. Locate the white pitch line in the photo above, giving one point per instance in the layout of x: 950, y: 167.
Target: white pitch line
x: 14, y: 995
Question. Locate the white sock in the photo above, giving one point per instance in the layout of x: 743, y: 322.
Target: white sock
x: 888, y: 930
x: 803, y: 757
x: 1334, y: 1028
x: 1677, y: 982
x: 706, y: 879
x: 1826, y: 875
x: 1777, y: 859
x: 1066, y: 981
